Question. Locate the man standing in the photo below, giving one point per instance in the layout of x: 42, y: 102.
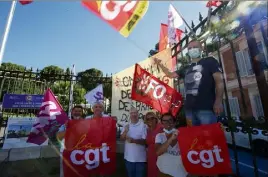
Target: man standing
x: 203, y: 86
x: 98, y: 110
x: 134, y: 135
x: 77, y: 113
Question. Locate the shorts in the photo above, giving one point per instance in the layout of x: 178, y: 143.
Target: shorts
x: 200, y: 117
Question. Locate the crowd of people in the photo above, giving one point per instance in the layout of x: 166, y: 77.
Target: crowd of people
x: 151, y: 144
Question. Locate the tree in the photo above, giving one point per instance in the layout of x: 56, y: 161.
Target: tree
x: 62, y: 90
x: 12, y: 66
x: 50, y: 73
x: 90, y: 78
x: 154, y: 51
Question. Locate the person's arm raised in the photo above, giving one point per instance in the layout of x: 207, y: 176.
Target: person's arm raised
x: 167, y: 72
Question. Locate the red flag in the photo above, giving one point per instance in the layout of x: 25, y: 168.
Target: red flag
x: 90, y: 147
x: 214, y: 3
x: 26, y: 2
x: 149, y: 90
x: 50, y: 117
x: 163, y: 41
x: 204, y: 150
x: 121, y: 15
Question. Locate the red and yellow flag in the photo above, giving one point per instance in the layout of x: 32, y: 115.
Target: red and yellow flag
x: 121, y: 15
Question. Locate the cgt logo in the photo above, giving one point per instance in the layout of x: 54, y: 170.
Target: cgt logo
x: 206, y: 158
x: 90, y: 157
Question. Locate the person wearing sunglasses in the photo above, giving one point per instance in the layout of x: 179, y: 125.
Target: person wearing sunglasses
x: 153, y: 129
x: 167, y: 149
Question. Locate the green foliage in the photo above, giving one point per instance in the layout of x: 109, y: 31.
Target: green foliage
x: 90, y: 78
x: 58, y: 79
x: 62, y: 90
x: 12, y: 67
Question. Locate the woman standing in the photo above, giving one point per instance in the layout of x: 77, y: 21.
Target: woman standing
x: 153, y: 129
x: 167, y: 149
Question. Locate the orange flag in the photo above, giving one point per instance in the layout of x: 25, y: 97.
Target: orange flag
x: 163, y: 42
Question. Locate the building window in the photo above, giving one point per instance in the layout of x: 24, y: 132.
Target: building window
x: 234, y: 107
x: 258, y: 105
x: 244, y: 63
x: 263, y: 58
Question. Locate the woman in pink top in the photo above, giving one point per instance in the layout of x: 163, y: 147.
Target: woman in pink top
x: 153, y: 129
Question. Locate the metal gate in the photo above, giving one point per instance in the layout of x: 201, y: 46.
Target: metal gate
x: 240, y: 43
x: 29, y: 82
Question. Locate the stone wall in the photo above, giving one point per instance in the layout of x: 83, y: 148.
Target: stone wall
x: 41, y: 162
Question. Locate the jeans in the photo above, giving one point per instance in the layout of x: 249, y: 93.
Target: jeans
x: 135, y: 169
x: 200, y: 117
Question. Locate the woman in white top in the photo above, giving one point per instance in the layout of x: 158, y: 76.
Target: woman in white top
x: 167, y: 149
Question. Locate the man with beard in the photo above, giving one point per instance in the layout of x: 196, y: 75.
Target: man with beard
x: 77, y: 113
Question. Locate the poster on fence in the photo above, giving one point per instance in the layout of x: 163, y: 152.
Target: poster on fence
x: 17, y: 132
x: 122, y: 83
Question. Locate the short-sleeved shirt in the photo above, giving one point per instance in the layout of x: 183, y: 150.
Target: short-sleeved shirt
x: 135, y: 152
x: 161, y: 138
x: 199, y: 84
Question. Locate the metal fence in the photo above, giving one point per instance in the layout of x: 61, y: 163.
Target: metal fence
x: 29, y: 82
x: 242, y: 51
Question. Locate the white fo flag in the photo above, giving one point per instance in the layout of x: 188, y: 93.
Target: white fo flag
x: 95, y: 95
x: 174, y: 22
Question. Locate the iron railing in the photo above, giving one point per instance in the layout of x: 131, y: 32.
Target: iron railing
x: 256, y: 128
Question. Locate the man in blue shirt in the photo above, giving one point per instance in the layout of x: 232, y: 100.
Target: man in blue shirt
x: 203, y: 86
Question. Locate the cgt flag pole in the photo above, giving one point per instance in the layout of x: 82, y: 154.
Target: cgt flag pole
x: 7, y: 29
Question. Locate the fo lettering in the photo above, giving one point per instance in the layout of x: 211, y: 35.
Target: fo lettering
x: 79, y: 157
x: 156, y: 87
x: 205, y: 157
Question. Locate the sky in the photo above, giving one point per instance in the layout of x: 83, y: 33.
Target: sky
x: 66, y: 33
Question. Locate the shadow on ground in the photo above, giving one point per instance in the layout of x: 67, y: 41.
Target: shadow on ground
x: 46, y: 168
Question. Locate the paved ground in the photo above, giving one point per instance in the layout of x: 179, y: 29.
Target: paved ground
x: 50, y: 167
x: 246, y: 164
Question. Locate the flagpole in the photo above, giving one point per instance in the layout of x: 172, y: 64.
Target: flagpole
x: 193, y: 33
x: 7, y: 29
x: 71, y: 91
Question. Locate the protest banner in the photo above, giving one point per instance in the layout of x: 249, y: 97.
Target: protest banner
x: 90, y: 147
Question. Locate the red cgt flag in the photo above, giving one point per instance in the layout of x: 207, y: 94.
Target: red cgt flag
x: 25, y: 2
x: 149, y: 90
x: 121, y: 15
x: 50, y: 117
x: 90, y: 147
x: 204, y: 150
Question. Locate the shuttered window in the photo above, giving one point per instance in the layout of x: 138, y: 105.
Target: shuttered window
x: 234, y: 107
x: 244, y: 63
x: 258, y: 105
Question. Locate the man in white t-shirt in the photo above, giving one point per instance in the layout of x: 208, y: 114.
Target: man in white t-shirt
x: 98, y: 110
x: 134, y: 135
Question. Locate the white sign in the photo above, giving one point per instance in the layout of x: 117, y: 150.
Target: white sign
x: 122, y: 83
x: 17, y: 132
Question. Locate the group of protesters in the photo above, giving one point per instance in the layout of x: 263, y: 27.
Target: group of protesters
x: 151, y: 144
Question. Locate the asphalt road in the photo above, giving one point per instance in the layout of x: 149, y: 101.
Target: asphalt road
x: 246, y: 164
